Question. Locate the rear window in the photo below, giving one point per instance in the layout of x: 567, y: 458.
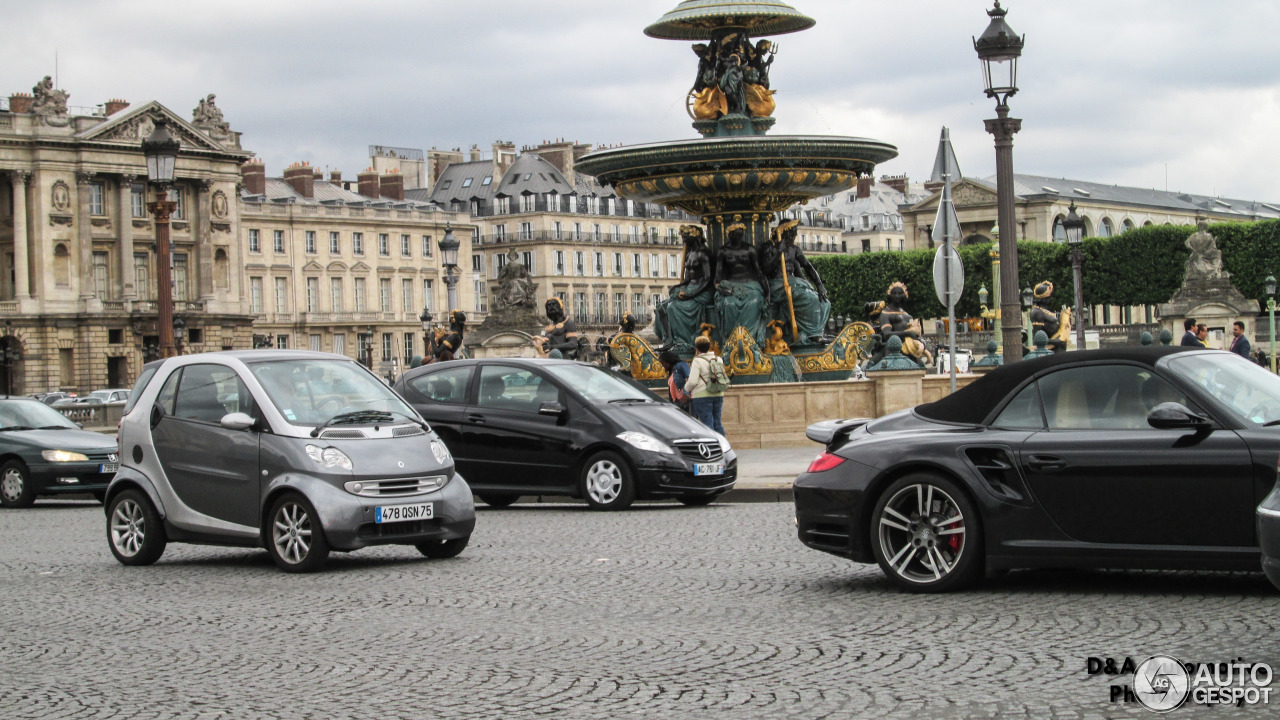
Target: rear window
x: 446, y: 386
x: 139, y: 386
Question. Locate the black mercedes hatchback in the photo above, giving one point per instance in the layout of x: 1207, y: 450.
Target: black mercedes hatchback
x: 521, y: 426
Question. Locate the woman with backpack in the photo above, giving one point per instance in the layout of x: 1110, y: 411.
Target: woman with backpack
x: 708, y: 380
x: 677, y: 376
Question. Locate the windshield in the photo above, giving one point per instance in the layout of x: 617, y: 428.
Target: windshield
x: 596, y: 384
x: 1248, y: 389
x: 20, y: 414
x: 313, y: 391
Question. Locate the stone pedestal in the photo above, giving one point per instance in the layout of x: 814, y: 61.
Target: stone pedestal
x: 1208, y: 295
x: 897, y: 390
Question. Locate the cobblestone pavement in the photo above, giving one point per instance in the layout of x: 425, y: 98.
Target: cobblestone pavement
x: 556, y: 611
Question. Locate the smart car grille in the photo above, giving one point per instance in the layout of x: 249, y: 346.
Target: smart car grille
x: 400, y: 487
x: 406, y: 430
x: 342, y: 434
x: 372, y: 530
x: 692, y: 449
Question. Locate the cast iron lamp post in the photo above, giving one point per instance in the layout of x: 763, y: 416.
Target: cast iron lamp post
x: 1271, y: 311
x: 449, y: 258
x: 1073, y: 226
x: 999, y: 49
x: 179, y: 334
x: 1028, y: 298
x: 425, y: 317
x: 161, y: 150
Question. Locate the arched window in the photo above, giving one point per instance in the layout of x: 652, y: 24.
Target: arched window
x: 1106, y: 228
x: 1147, y: 224
x: 1127, y: 225
x: 975, y: 240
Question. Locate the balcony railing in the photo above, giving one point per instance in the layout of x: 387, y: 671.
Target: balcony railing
x: 587, y: 237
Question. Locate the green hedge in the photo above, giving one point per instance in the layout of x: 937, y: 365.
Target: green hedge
x: 1143, y: 266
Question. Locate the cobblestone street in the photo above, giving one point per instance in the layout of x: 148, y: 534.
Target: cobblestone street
x: 556, y: 611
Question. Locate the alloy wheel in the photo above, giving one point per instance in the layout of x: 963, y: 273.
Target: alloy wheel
x: 11, y: 486
x: 291, y: 532
x: 128, y: 528
x: 922, y: 533
x: 604, y: 481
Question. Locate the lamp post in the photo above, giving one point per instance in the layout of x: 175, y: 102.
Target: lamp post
x: 996, y: 280
x: 425, y: 317
x: 1271, y: 311
x: 161, y: 150
x: 1073, y: 226
x: 179, y: 334
x: 1028, y: 297
x: 999, y: 49
x: 449, y: 258
x: 10, y: 355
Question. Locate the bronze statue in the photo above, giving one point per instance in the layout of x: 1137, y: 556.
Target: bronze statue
x: 891, y: 320
x: 733, y: 85
x: 690, y: 303
x: 799, y: 296
x: 449, y: 345
x: 1057, y: 328
x: 516, y: 288
x: 742, y: 292
x: 561, y: 335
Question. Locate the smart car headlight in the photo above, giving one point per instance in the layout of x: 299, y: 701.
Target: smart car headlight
x: 329, y: 457
x: 641, y: 441
x: 63, y: 456
x: 441, y: 452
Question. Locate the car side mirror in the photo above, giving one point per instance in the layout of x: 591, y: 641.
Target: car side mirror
x: 552, y: 408
x: 237, y: 421
x: 157, y: 414
x: 1176, y: 416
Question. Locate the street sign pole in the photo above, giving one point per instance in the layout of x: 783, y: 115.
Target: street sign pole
x: 948, y: 270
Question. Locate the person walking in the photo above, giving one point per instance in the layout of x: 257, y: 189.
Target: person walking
x: 1202, y: 334
x: 707, y: 383
x: 1190, y: 338
x: 1240, y: 343
x: 677, y: 376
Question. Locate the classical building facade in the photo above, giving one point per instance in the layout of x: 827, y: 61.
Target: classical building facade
x: 77, y: 245
x: 343, y: 271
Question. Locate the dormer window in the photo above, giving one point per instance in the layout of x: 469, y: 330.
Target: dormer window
x: 487, y: 180
x: 466, y: 183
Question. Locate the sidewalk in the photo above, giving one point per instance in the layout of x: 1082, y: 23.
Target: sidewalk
x: 766, y: 475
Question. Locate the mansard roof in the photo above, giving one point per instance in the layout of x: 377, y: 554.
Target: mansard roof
x: 532, y: 174
x: 325, y: 193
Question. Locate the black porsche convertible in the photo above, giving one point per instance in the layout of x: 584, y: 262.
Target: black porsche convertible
x: 1130, y: 458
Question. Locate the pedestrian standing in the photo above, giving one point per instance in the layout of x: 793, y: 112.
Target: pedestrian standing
x: 1190, y: 338
x: 677, y: 376
x: 707, y: 382
x: 1202, y: 334
x: 1240, y: 343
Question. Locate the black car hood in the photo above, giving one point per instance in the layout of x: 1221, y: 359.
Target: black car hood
x: 62, y: 439
x: 659, y: 419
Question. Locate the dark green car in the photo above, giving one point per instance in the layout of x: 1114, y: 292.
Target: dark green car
x: 44, y: 453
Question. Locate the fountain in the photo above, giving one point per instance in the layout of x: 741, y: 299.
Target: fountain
x: 744, y: 279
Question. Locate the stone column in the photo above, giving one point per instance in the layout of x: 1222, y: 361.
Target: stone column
x: 84, y: 234
x: 127, y: 290
x: 204, y: 240
x: 21, y: 261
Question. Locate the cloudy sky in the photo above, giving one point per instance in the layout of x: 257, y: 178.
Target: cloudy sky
x: 1139, y: 92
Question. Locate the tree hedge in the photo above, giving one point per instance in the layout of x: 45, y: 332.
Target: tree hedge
x: 1143, y: 266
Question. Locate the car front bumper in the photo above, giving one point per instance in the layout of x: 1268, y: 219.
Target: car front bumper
x: 72, y: 477
x: 671, y: 476
x: 349, y: 520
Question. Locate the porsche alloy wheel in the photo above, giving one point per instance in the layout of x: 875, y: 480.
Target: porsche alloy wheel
x: 926, y: 534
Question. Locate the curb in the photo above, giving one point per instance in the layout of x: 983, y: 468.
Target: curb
x: 772, y: 493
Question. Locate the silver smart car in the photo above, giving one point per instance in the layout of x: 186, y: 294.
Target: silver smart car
x: 297, y: 452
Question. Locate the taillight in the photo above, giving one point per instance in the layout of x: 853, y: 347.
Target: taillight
x: 824, y: 462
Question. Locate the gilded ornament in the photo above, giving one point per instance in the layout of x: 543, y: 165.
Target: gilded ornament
x: 703, y: 181
x: 823, y: 178
x: 637, y: 356
x: 768, y: 178
x: 649, y: 185
x: 850, y: 348
x: 675, y: 183
x: 735, y: 178
x: 744, y: 356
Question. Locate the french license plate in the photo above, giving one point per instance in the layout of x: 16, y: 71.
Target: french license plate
x: 403, y: 513
x: 708, y: 468
x: 108, y: 468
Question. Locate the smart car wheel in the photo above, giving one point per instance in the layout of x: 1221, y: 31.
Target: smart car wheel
x: 134, y: 530
x: 441, y: 549
x: 926, y: 534
x: 297, y: 542
x: 15, y: 485
x: 498, y: 500
x: 607, y: 483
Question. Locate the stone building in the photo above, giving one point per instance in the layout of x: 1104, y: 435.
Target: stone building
x: 77, y: 245
x: 864, y: 219
x: 342, y: 271
x: 600, y: 254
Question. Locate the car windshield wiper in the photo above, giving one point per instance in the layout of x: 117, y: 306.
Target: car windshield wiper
x: 16, y: 427
x: 359, y: 416
x: 54, y: 427
x: 631, y: 400
x: 1271, y: 424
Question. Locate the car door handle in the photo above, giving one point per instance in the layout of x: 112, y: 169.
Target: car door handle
x: 477, y: 419
x: 1046, y: 463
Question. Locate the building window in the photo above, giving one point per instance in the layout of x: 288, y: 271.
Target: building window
x: 180, y: 207
x: 101, y: 276
x: 528, y: 203
x: 278, y: 240
x: 527, y: 258
x: 384, y: 244
x: 255, y: 295
x: 673, y: 266
x: 636, y: 269
x: 477, y: 263
x: 428, y: 297
x: 406, y: 295
x: 408, y: 349
x: 637, y: 303
x: 282, y: 295
x: 502, y: 205
x: 386, y: 347
x: 180, y: 277
x: 559, y: 262
x: 96, y: 205
x: 499, y: 262
x: 526, y: 231
x: 580, y: 308
x: 335, y: 294
x: 282, y: 342
x: 406, y: 248
x: 553, y: 202
x: 579, y: 264
x: 255, y: 241
x: 335, y: 243
x: 142, y: 275
x: 617, y: 264
x: 557, y: 230
x: 340, y: 344
x: 315, y: 342
x: 619, y: 305
x: 577, y: 231
x: 482, y: 295
x: 138, y: 201
x: 313, y: 294
x: 598, y: 265
x: 426, y: 246
x: 357, y: 243
x: 600, y: 308
x: 500, y: 233
x: 653, y: 265
x: 310, y: 241
x: 360, y: 283
x: 384, y: 294
x: 635, y: 233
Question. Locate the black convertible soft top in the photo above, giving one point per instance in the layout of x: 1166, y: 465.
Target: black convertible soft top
x: 972, y: 404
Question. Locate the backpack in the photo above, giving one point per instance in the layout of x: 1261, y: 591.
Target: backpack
x: 718, y: 381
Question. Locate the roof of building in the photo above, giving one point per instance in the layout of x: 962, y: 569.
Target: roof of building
x: 1037, y: 186
x: 530, y: 174
x: 278, y: 190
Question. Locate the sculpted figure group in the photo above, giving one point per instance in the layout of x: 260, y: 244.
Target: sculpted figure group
x: 733, y: 78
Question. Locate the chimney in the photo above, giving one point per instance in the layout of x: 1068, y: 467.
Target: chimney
x: 864, y: 186
x: 504, y: 156
x: 393, y: 186
x: 302, y: 179
x: 897, y: 182
x: 438, y: 160
x: 368, y: 184
x: 319, y: 176
x: 335, y: 177
x: 475, y: 154
x: 20, y: 102
x: 115, y: 105
x: 254, y: 176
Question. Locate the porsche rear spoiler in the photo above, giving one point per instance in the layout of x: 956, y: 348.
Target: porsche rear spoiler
x: 830, y: 431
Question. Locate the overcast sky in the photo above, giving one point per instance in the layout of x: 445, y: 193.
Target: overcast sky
x: 1122, y: 92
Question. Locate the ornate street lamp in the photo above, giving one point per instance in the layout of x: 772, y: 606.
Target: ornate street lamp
x: 1028, y: 299
x: 179, y: 333
x: 425, y: 317
x: 161, y: 150
x: 1073, y: 226
x: 449, y: 258
x: 1271, y: 311
x: 999, y: 49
